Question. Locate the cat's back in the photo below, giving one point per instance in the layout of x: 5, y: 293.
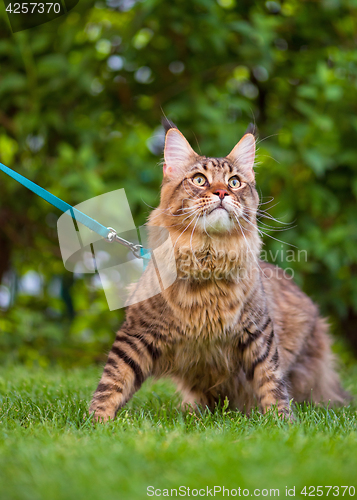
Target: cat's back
x: 284, y: 292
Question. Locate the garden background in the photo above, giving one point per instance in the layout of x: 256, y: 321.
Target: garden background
x: 81, y: 102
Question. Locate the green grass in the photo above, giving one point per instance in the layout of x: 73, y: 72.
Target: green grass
x: 49, y: 449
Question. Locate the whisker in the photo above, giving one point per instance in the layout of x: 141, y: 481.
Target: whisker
x: 255, y: 257
x: 204, y: 225
x: 266, y: 202
x: 251, y: 223
x: 193, y: 230
x: 270, y: 236
x: 264, y: 214
x: 183, y: 232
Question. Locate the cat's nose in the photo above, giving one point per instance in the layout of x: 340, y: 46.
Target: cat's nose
x: 221, y: 193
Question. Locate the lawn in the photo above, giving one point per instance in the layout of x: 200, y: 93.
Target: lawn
x: 49, y: 449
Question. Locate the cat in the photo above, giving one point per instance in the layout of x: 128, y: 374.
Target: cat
x: 230, y: 326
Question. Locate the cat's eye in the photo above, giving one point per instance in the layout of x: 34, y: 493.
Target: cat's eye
x: 199, y: 180
x: 234, y: 182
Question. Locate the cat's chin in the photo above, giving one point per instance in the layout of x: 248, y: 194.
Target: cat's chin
x: 218, y: 221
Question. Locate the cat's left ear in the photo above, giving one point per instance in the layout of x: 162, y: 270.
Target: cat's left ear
x: 243, y: 154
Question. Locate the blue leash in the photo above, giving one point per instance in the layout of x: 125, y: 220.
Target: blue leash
x: 107, y: 233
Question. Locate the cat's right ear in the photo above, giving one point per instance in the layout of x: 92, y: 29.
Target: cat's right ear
x: 243, y: 154
x: 178, y: 153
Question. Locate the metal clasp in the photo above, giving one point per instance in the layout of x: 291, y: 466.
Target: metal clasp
x: 113, y: 236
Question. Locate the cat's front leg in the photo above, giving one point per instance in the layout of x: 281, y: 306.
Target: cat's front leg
x: 261, y: 366
x: 129, y: 363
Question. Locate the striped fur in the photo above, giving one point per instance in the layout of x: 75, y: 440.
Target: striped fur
x: 231, y: 325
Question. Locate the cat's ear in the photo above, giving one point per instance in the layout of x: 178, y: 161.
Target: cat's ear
x: 243, y: 154
x: 178, y: 153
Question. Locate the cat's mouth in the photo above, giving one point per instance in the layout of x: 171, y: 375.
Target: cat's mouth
x: 218, y: 219
x: 218, y: 207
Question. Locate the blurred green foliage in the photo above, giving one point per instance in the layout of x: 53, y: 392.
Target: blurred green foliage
x: 81, y: 99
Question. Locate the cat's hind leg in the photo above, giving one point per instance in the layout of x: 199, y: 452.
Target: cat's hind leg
x: 313, y: 376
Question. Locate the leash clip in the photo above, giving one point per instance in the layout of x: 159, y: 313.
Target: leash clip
x: 113, y: 236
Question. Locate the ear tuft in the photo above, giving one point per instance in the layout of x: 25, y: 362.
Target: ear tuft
x: 178, y: 153
x: 167, y: 124
x: 252, y: 129
x: 243, y: 154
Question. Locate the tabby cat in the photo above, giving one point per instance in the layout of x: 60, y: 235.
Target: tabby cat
x: 231, y: 326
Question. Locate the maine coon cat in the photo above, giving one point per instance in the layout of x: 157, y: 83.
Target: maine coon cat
x: 231, y: 326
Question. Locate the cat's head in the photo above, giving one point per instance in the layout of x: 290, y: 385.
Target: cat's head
x: 207, y: 197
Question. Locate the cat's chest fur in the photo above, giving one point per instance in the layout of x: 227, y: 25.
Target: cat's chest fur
x: 205, y: 317
x: 209, y: 311
x: 191, y: 358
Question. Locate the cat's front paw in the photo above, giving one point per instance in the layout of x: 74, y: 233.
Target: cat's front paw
x: 100, y: 414
x: 287, y: 415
